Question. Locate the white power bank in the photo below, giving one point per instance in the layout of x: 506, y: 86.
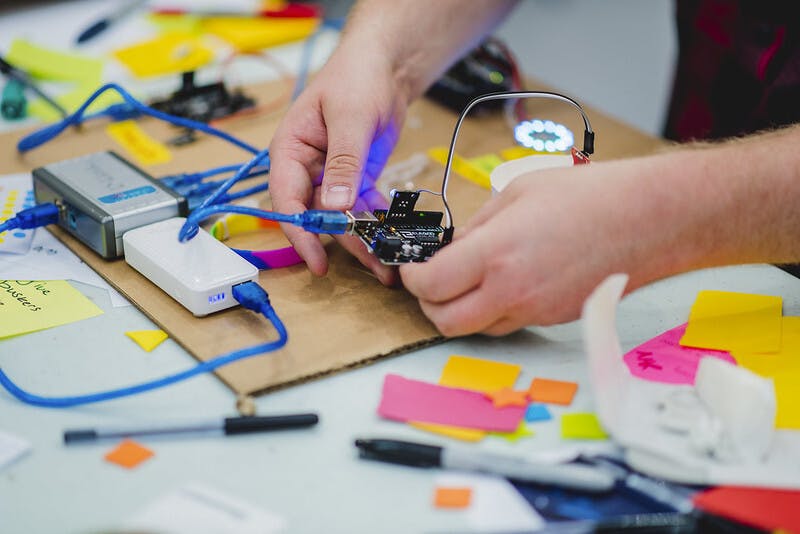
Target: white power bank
x: 199, y: 273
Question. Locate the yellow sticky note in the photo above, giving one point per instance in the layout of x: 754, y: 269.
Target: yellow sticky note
x: 455, y: 432
x: 249, y: 34
x: 521, y: 432
x: 783, y: 367
x: 83, y: 75
x: 581, y: 426
x: 463, y: 167
x: 175, y: 23
x: 147, y: 339
x: 170, y: 53
x: 49, y: 64
x: 478, y: 374
x: 723, y: 320
x: 143, y: 148
x: 31, y: 305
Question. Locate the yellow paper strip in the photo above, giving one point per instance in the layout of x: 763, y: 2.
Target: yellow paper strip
x: 455, y: 432
x: 171, y: 53
x: 143, y: 148
x: 252, y: 34
x: 31, y: 305
x: 463, y: 167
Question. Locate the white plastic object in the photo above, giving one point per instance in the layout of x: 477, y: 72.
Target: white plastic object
x: 508, y: 171
x: 199, y: 273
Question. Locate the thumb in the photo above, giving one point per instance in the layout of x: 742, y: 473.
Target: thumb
x: 348, y: 147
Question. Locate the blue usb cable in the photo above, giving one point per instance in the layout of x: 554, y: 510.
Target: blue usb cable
x: 249, y: 294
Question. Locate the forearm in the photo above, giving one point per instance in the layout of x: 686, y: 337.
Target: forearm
x: 420, y: 38
x: 732, y: 203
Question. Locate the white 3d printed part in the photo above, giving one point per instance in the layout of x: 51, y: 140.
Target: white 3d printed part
x: 199, y: 273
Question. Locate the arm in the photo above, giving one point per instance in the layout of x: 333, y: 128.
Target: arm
x: 336, y: 138
x: 533, y: 253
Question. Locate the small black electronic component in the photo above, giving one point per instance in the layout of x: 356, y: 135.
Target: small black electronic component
x: 400, y: 234
x: 203, y: 103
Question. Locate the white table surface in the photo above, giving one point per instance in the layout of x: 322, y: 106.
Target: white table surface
x: 311, y: 477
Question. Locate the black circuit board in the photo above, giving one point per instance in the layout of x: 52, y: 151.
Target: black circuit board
x: 401, y: 234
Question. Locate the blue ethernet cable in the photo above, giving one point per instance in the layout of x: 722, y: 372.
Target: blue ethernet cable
x: 248, y: 294
x: 130, y: 108
x: 34, y: 217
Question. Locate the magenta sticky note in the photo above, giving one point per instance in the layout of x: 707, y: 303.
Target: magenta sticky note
x: 412, y: 400
x: 662, y: 359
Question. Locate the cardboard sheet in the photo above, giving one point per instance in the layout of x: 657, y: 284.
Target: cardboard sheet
x: 345, y: 319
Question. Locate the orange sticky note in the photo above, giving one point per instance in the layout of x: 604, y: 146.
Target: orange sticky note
x: 452, y: 497
x: 552, y: 391
x: 129, y: 454
x: 508, y: 397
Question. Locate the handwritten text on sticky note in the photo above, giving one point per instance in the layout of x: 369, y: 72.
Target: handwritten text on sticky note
x: 30, y: 305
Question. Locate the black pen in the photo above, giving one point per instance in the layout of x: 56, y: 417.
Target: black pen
x: 24, y: 78
x: 104, y: 23
x: 227, y: 426
x: 573, y: 476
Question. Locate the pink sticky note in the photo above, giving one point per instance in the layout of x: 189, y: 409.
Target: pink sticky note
x: 662, y: 359
x: 412, y: 400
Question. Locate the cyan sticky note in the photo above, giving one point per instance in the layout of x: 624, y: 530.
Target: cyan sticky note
x: 537, y: 412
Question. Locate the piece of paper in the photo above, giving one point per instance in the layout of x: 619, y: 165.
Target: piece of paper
x: 449, y: 497
x: 496, y: 505
x: 171, y: 53
x: 766, y: 509
x: 463, y: 434
x: 412, y: 400
x: 31, y: 305
x: 537, y: 412
x: 478, y: 374
x: 252, y: 34
x: 129, y: 454
x: 663, y: 359
x: 16, y: 194
x: 138, y: 143
x: 487, y: 162
x: 783, y: 367
x: 49, y: 259
x: 724, y: 320
x: 462, y: 166
x: 508, y: 397
x: 147, y: 339
x: 199, y: 509
x: 581, y: 426
x: 552, y: 391
x: 12, y: 448
x: 521, y: 432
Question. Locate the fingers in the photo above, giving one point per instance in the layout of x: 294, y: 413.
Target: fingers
x: 291, y: 191
x: 473, y: 312
x: 347, y: 150
x: 451, y: 272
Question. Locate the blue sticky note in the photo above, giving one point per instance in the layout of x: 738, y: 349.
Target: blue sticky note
x: 537, y: 412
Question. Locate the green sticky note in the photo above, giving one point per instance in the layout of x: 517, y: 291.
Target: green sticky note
x: 49, y: 64
x: 581, y: 426
x: 521, y: 432
x: 31, y: 305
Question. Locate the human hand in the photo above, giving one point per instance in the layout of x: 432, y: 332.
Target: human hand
x: 532, y: 254
x: 332, y: 145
